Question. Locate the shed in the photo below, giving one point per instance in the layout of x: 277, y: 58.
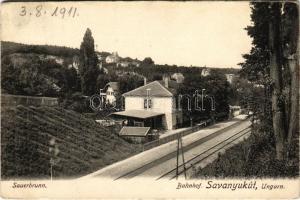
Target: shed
x: 135, y: 134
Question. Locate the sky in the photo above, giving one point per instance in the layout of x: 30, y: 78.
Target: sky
x: 183, y: 33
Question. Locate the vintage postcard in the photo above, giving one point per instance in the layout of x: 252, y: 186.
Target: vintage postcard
x: 150, y: 99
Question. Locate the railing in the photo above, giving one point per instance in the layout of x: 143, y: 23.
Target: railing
x: 155, y: 143
x: 14, y: 100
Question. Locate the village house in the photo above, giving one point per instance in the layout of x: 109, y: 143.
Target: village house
x: 75, y: 63
x: 126, y: 62
x: 178, y: 77
x: 111, y: 92
x: 100, y: 57
x: 205, y: 72
x: 229, y: 77
x: 153, y: 105
x: 113, y: 58
x: 136, y: 63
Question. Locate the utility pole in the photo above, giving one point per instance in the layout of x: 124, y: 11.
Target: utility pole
x: 182, y: 155
x: 180, y: 147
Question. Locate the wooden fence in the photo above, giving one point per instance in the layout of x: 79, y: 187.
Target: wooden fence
x: 14, y: 100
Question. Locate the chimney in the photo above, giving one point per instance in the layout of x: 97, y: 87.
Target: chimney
x: 145, y: 81
x: 166, y: 81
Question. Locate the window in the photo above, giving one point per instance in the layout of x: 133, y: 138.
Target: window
x: 147, y: 103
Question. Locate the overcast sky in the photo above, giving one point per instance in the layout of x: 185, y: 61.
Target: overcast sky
x: 181, y: 33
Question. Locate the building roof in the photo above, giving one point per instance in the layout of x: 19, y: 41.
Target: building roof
x: 141, y: 114
x: 156, y: 90
x: 134, y: 131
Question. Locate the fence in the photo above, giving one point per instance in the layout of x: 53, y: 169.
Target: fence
x: 14, y: 100
x: 167, y: 139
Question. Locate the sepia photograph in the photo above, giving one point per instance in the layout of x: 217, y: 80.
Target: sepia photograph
x: 192, y: 93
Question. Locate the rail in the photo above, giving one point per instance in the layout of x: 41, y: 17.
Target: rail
x: 149, y: 165
x: 200, y: 157
x: 158, y: 142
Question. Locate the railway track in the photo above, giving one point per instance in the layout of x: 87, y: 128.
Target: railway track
x: 200, y: 157
x: 171, y: 155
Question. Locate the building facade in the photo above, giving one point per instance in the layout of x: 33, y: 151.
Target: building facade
x: 178, y: 77
x: 152, y: 105
x: 113, y: 58
x: 111, y: 92
x: 205, y: 72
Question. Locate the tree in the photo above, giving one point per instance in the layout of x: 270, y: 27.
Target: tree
x: 129, y: 82
x: 72, y: 80
x: 88, y: 68
x: 28, y: 78
x: 275, y: 73
x: 272, y: 62
x: 102, y: 80
x: 147, y: 62
x: 215, y: 86
x: 291, y: 37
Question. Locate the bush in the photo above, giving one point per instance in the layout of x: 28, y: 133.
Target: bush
x: 77, y: 102
x: 252, y: 158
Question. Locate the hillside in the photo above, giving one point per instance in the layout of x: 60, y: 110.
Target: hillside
x: 8, y: 48
x: 84, y: 146
x: 12, y: 47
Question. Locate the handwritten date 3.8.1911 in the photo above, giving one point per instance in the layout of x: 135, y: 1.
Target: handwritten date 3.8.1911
x: 39, y: 11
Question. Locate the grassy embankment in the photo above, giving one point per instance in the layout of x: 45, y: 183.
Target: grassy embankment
x: 84, y: 146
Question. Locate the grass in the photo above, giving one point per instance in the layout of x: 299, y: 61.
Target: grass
x: 253, y: 158
x: 84, y: 146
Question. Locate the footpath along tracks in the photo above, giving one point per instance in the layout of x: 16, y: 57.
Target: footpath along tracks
x: 171, y: 173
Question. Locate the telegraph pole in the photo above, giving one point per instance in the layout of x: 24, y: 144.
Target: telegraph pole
x: 182, y: 155
x: 180, y: 147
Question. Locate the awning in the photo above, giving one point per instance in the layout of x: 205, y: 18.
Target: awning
x: 142, y: 114
x: 134, y: 131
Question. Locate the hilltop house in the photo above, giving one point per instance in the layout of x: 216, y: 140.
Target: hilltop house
x: 113, y: 58
x: 229, y: 77
x: 205, y: 72
x: 126, y: 62
x: 75, y: 63
x: 178, y: 77
x: 136, y: 63
x: 101, y: 58
x: 152, y: 105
